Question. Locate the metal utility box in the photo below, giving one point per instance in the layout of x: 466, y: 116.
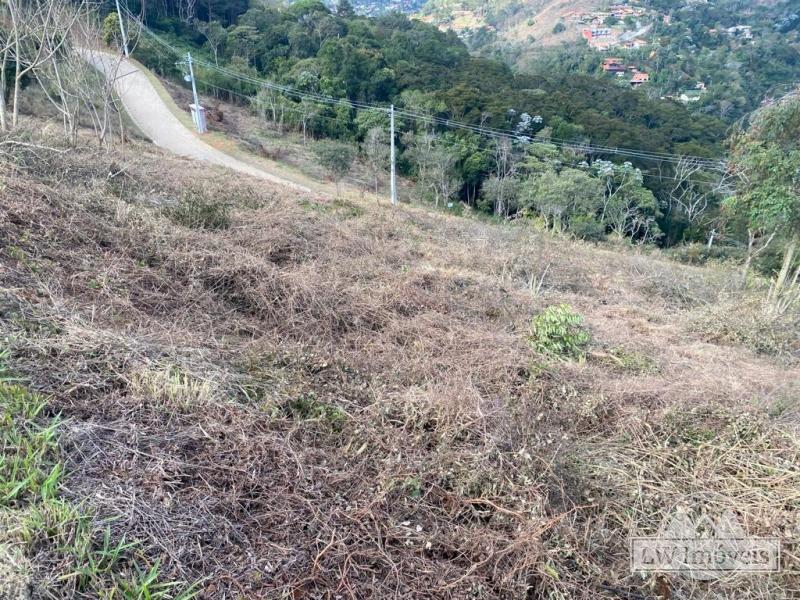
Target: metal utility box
x: 199, y: 117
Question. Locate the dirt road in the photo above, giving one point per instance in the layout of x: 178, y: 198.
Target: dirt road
x: 155, y: 120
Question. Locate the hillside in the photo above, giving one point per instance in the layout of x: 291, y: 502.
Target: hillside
x: 277, y: 397
x: 340, y: 73
x: 719, y: 58
x: 529, y: 23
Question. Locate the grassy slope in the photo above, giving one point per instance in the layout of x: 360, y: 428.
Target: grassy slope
x: 322, y: 399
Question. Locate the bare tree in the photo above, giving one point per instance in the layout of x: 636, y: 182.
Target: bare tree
x: 376, y: 151
x: 694, y: 186
x: 187, y: 10
x: 6, y: 52
x: 79, y: 80
x: 421, y: 148
x: 38, y: 31
x: 216, y: 36
x: 308, y: 111
x: 444, y: 182
x: 505, y: 162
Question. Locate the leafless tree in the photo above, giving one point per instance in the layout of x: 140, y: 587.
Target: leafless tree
x: 79, y: 79
x: 37, y: 32
x: 376, y: 151
x: 421, y: 148
x: 505, y: 167
x: 694, y: 184
x: 187, y: 10
x: 444, y: 182
x: 308, y: 109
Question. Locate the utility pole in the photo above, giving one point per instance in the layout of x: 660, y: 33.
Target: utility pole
x: 394, y: 158
x: 198, y: 114
x: 122, y: 29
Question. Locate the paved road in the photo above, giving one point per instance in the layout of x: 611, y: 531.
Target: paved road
x: 154, y: 118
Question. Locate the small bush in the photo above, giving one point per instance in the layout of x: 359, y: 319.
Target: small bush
x: 111, y: 30
x: 559, y: 332
x: 559, y: 28
x: 196, y: 212
x: 588, y: 228
x: 308, y: 408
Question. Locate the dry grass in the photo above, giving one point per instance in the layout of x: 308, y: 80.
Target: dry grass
x: 335, y: 400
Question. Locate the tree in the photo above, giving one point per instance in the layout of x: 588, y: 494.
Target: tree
x: 633, y: 213
x: 336, y: 158
x: 216, y: 36
x: 307, y: 110
x: 436, y: 167
x: 692, y: 189
x: 186, y: 10
x: 502, y: 193
x: 502, y: 187
x: 272, y: 104
x: 629, y: 209
x: 766, y: 159
x: 345, y: 9
x: 37, y: 31
x: 420, y: 151
x: 75, y: 87
x: 111, y: 29
x: 559, y: 197
x: 376, y: 152
x: 243, y: 40
x: 444, y: 181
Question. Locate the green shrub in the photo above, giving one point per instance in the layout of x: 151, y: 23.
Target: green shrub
x: 308, y: 408
x: 587, y: 227
x: 111, y: 30
x: 558, y: 332
x: 196, y: 212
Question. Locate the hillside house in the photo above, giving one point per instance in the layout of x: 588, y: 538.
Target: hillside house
x: 590, y: 34
x: 614, y: 65
x: 639, y: 78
